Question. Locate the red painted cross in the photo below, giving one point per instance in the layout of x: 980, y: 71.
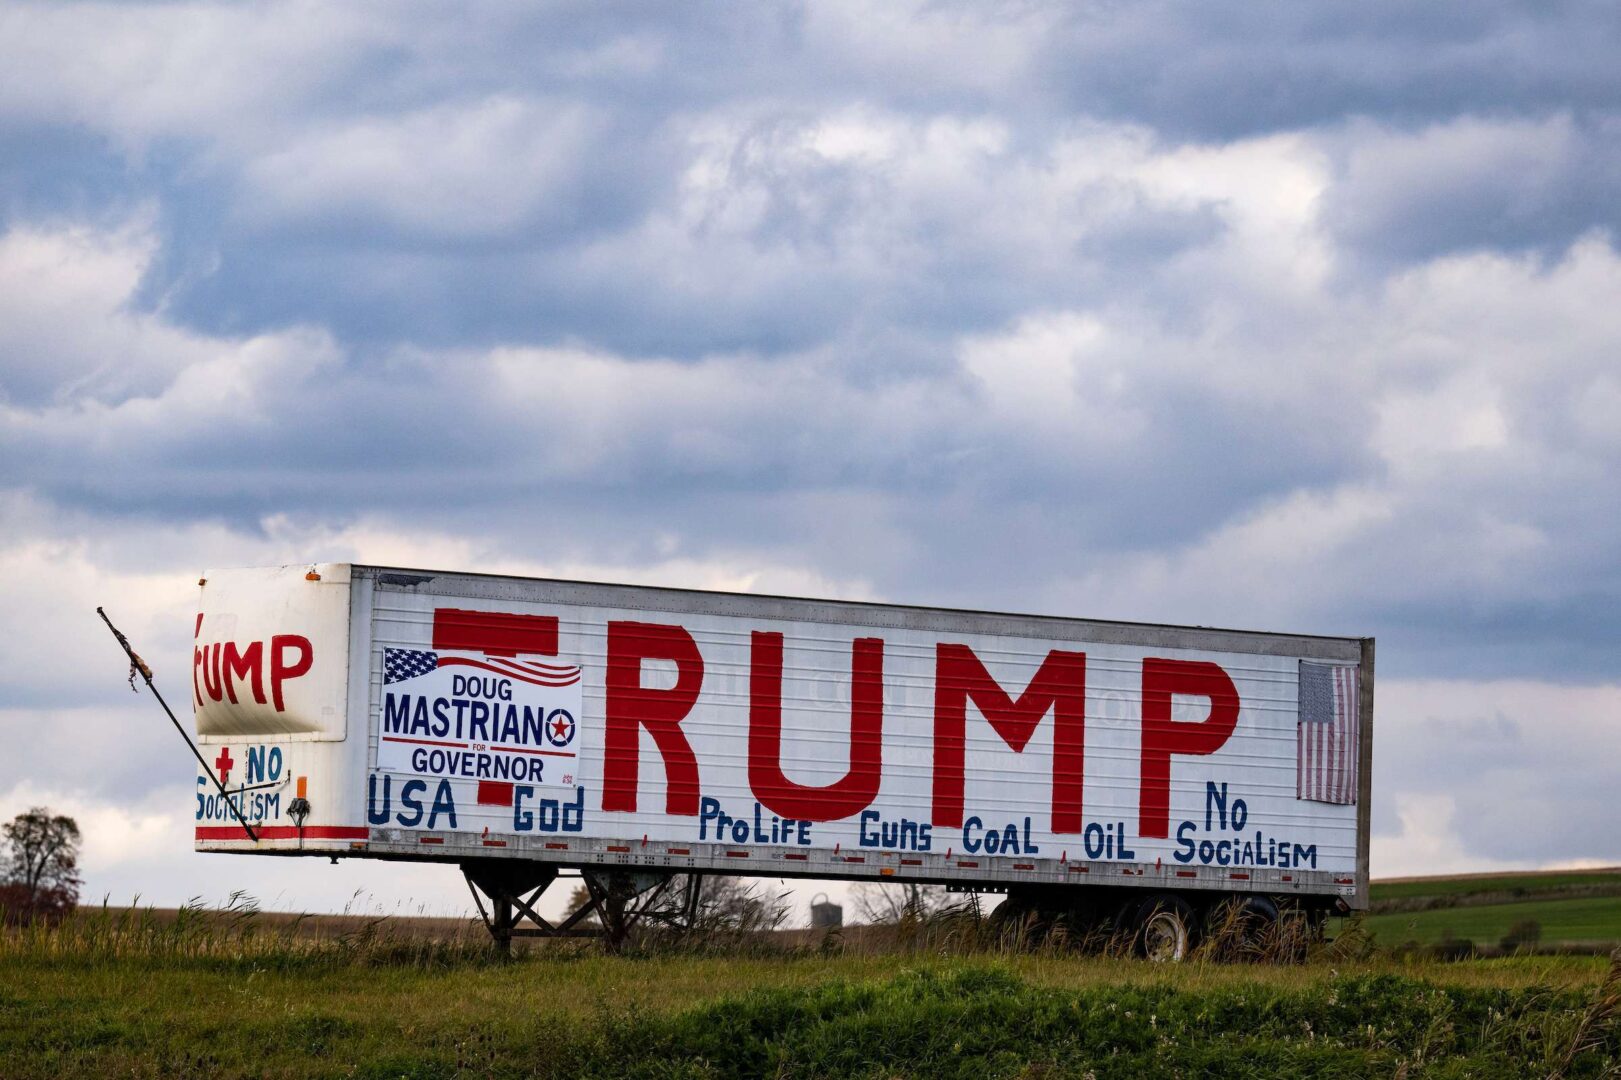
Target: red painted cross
x: 223, y: 764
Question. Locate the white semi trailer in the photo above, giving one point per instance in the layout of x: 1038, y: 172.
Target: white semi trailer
x: 521, y: 727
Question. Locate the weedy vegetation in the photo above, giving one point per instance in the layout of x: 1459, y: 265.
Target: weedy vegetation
x: 236, y: 993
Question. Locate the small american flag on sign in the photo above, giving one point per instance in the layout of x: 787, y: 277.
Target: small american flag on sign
x: 1329, y: 734
x: 402, y: 664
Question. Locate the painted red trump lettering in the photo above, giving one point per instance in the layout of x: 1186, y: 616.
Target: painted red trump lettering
x: 226, y: 666
x: 245, y: 664
x: 855, y: 791
x: 281, y: 669
x: 1163, y: 736
x: 1059, y: 686
x: 211, y: 671
x: 632, y: 706
x: 196, y: 663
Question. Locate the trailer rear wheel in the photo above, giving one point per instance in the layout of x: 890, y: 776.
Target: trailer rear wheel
x: 1243, y: 928
x: 1164, y: 928
x: 1010, y: 922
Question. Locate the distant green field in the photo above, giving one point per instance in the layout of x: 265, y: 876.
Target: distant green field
x: 1583, y: 919
x: 1499, y: 883
x: 1568, y: 906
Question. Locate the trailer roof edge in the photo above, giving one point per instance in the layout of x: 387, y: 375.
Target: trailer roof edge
x: 912, y: 616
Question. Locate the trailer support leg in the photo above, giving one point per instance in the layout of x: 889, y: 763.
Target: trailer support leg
x: 512, y: 888
x: 506, y: 892
x: 627, y: 900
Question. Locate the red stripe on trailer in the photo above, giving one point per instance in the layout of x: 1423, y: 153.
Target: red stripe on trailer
x: 1080, y: 869
x: 796, y: 855
x: 679, y: 851
x: 1239, y: 877
x: 855, y: 858
x: 967, y: 863
x: 494, y: 793
x: 1024, y: 866
x: 497, y: 633
x: 504, y: 672
x: 1187, y: 873
x: 1287, y: 877
x: 495, y: 843
x: 911, y: 862
x: 617, y: 847
x: 737, y: 854
x: 424, y: 742
x: 464, y: 746
x: 430, y: 839
x: 284, y: 832
x: 557, y: 847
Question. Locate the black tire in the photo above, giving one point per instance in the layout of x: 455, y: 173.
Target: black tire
x: 1242, y: 928
x: 1010, y: 918
x: 1295, y: 933
x: 1164, y: 928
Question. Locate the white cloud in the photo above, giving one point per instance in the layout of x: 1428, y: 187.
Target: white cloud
x: 1426, y: 842
x: 226, y: 75
x: 1268, y: 190
x: 1523, y: 768
x: 874, y: 204
x: 1064, y: 378
x: 1481, y: 413
x: 966, y: 46
x: 480, y: 169
x: 67, y: 326
x: 1464, y: 183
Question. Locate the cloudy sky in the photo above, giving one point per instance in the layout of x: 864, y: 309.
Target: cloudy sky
x: 1295, y: 317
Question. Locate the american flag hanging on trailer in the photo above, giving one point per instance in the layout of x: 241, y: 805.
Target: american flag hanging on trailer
x: 1328, y: 734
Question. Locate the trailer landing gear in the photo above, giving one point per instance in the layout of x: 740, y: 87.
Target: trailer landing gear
x: 618, y: 902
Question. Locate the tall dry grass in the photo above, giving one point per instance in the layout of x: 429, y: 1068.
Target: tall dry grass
x: 235, y: 933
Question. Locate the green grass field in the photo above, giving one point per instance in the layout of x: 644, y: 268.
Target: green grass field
x: 1567, y: 907
x: 738, y: 1017
x: 1523, y: 884
x: 220, y: 997
x: 1581, y: 920
x: 238, y: 994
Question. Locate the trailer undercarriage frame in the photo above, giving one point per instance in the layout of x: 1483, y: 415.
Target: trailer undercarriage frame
x: 617, y: 902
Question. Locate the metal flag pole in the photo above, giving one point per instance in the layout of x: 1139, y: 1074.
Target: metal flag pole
x: 136, y: 664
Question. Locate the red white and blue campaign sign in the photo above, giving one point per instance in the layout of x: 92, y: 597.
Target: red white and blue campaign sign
x: 479, y: 716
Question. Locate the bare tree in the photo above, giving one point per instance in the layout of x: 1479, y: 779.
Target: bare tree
x: 734, y: 903
x: 724, y: 904
x: 41, y: 864
x: 892, y: 904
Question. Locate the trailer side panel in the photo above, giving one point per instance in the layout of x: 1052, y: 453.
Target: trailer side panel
x: 614, y: 725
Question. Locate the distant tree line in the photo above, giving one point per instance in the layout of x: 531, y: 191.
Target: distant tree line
x: 39, y: 878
